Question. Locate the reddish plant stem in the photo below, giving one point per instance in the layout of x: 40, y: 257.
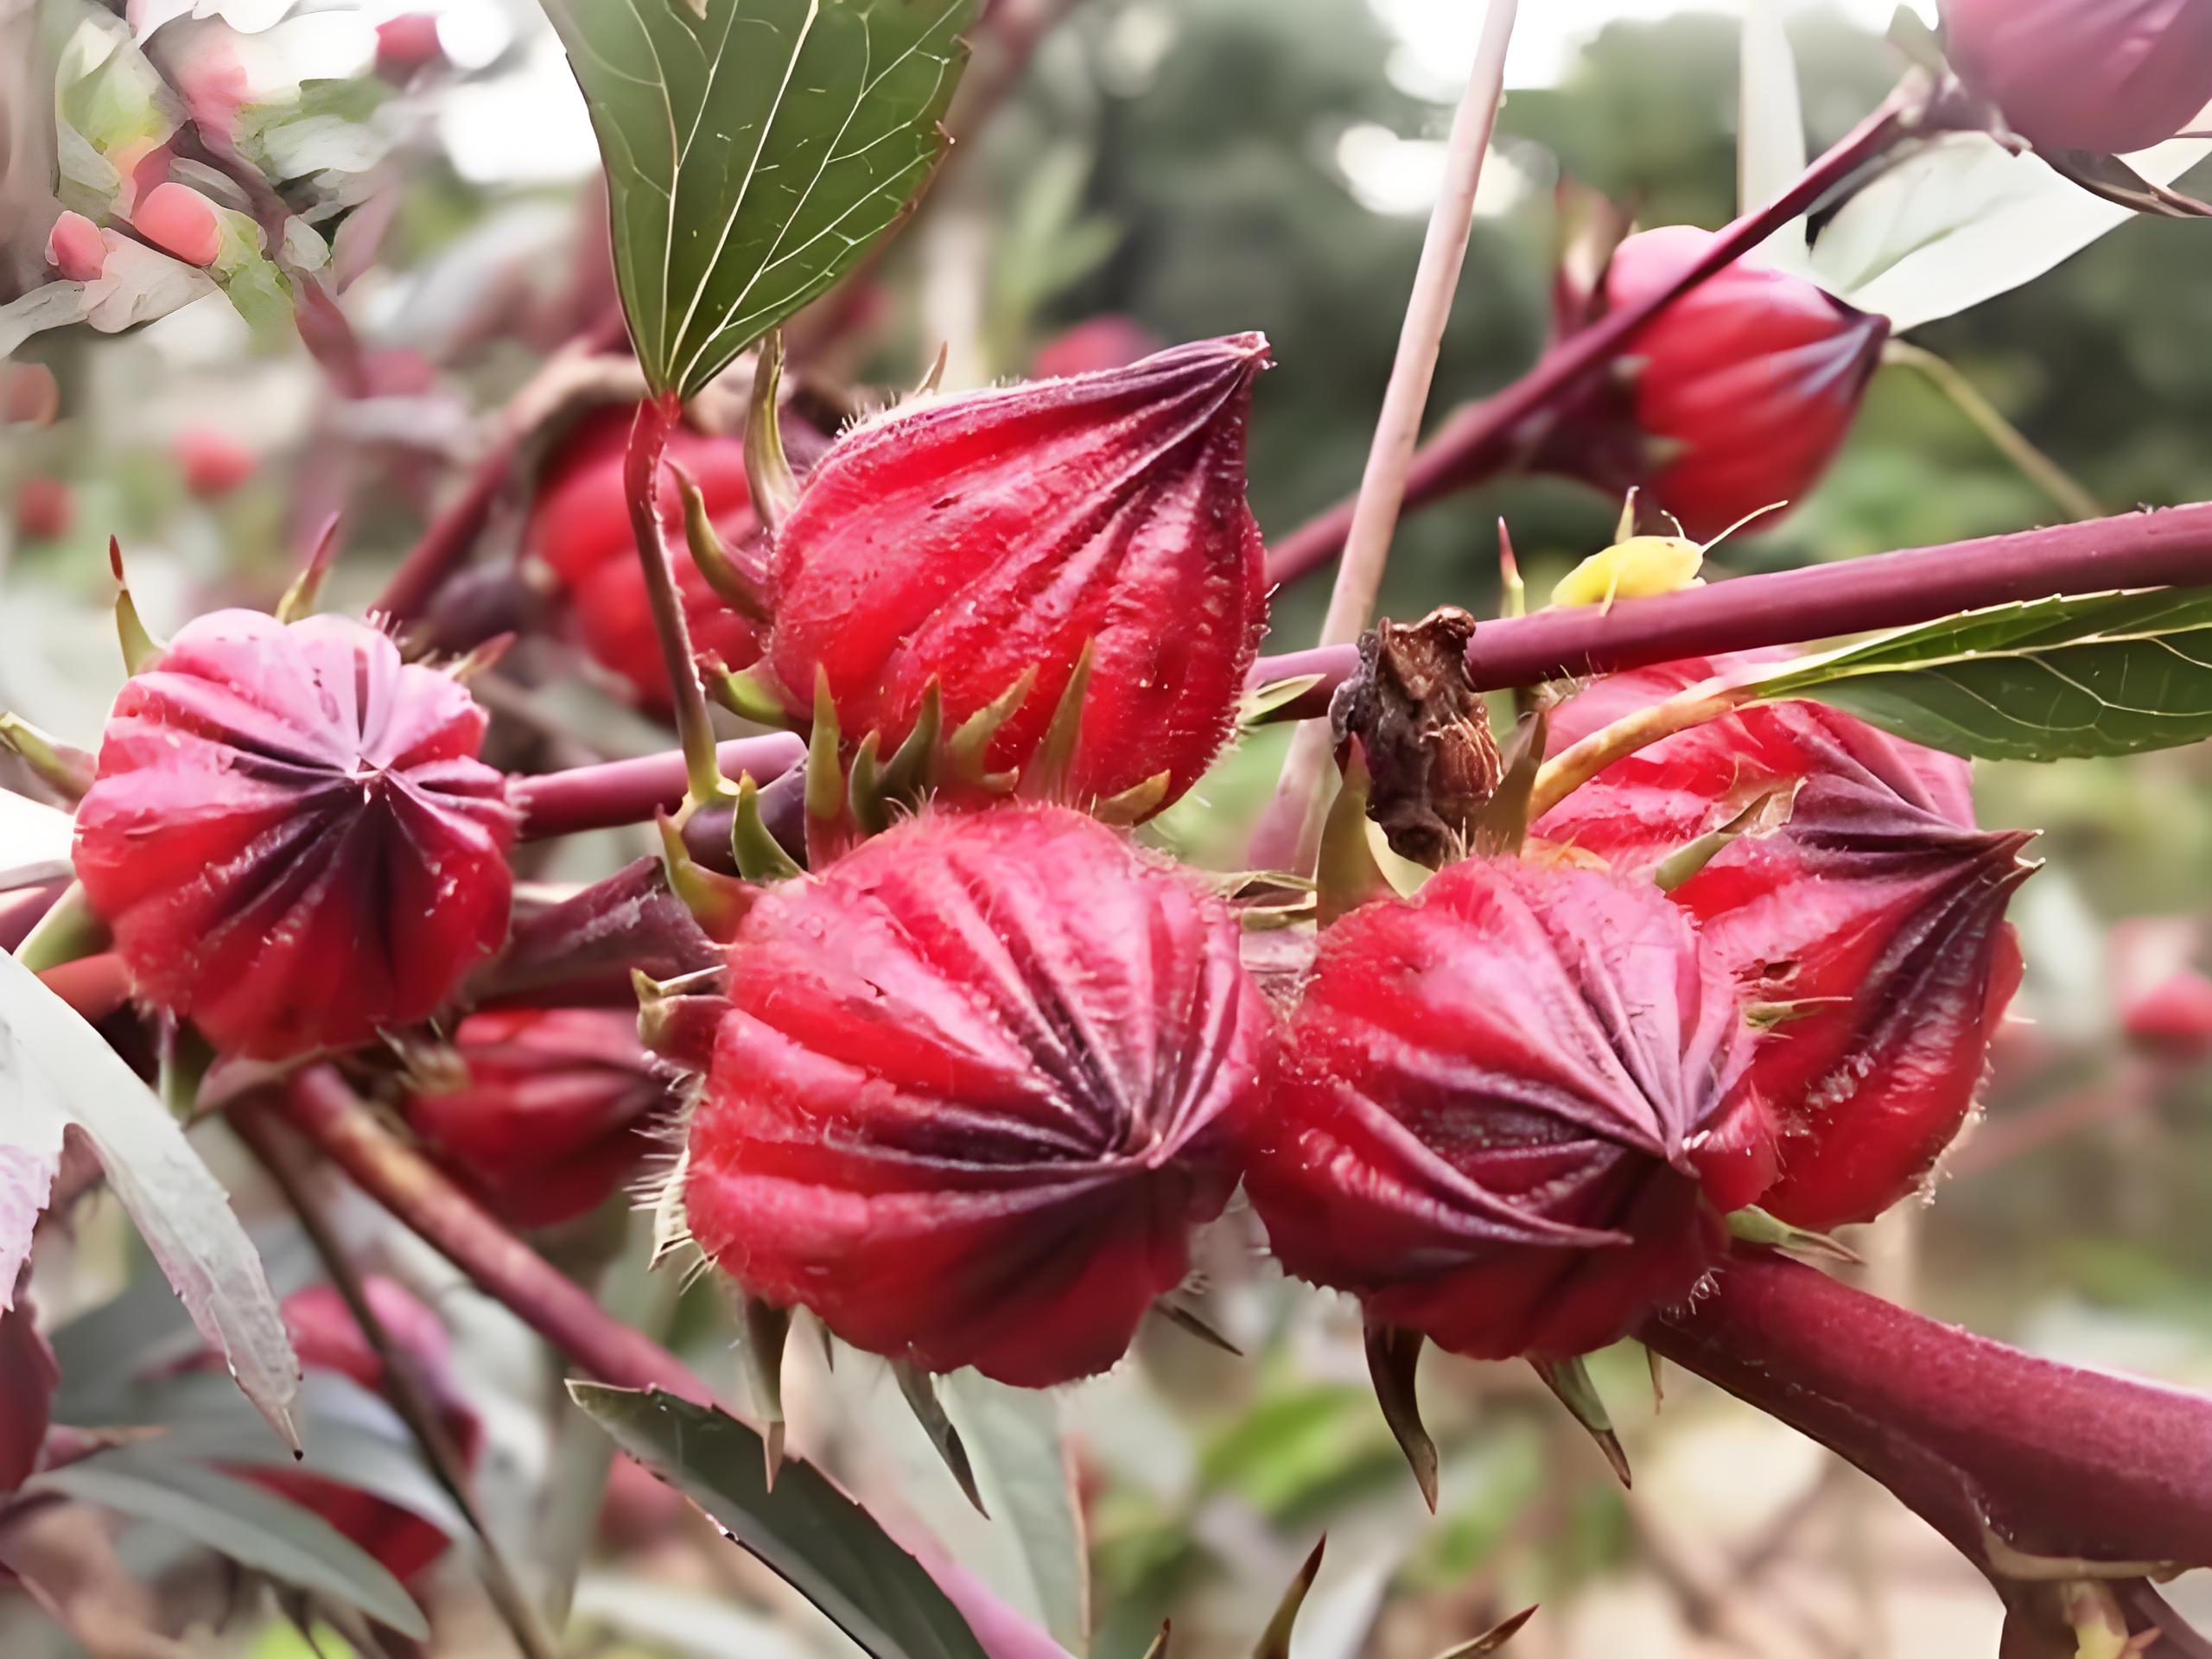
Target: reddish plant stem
x: 615, y: 792
x: 1482, y: 437
x: 1997, y: 1450
x: 641, y: 476
x: 325, y: 1110
x: 2170, y: 547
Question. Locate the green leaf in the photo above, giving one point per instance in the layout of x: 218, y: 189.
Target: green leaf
x: 1015, y: 1438
x: 252, y: 1526
x: 2054, y: 679
x: 1770, y: 126
x: 753, y: 150
x: 55, y: 1069
x: 1963, y: 219
x: 809, y: 1533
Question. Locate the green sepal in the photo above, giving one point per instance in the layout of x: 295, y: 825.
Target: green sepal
x: 65, y: 769
x: 1136, y: 804
x: 761, y: 856
x: 1392, y: 1361
x: 825, y: 779
x: 1570, y: 1380
x: 1047, y: 775
x: 971, y: 740
x: 731, y: 584
x: 764, y: 1331
x: 1755, y: 1226
x: 1275, y: 1641
x: 920, y: 1390
x: 871, y: 812
x: 751, y: 695
x: 909, y: 772
x: 139, y: 646
x: 768, y: 470
x: 1348, y: 875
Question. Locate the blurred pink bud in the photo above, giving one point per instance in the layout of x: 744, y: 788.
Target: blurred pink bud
x: 74, y: 248
x: 214, y: 462
x: 45, y: 508
x: 1094, y: 345
x: 181, y: 222
x: 406, y: 43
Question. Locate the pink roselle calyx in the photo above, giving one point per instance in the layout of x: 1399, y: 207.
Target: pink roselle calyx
x: 1512, y: 1112
x: 1739, y: 394
x: 973, y: 542
x: 553, y: 1111
x: 2108, y: 76
x: 291, y: 835
x: 1867, y: 930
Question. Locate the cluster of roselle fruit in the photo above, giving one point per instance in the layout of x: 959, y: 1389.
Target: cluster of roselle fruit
x: 965, y: 1087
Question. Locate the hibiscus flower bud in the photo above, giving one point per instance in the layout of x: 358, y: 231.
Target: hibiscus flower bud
x: 45, y: 508
x: 212, y: 462
x: 1867, y: 930
x: 327, y: 1338
x: 579, y: 525
x: 554, y: 1109
x: 181, y: 222
x: 291, y: 837
x: 2110, y: 76
x: 972, y: 1091
x: 75, y: 249
x: 1745, y: 387
x: 407, y: 43
x: 1511, y: 1115
x: 976, y: 544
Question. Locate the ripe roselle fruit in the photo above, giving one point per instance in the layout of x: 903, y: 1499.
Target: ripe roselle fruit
x: 552, y: 1110
x: 966, y: 541
x: 2104, y: 75
x: 181, y: 222
x: 972, y: 1092
x: 579, y: 525
x: 327, y: 1338
x: 1512, y: 1112
x: 75, y: 249
x: 291, y: 837
x: 1868, y: 930
x: 1745, y: 387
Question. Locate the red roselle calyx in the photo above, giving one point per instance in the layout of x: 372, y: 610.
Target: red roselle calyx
x: 1867, y: 929
x: 1511, y: 1115
x: 1740, y: 393
x: 181, y: 222
x: 290, y: 835
x: 2108, y: 76
x: 972, y: 542
x: 327, y: 1338
x: 971, y: 1092
x: 75, y: 249
x: 579, y: 525
x: 550, y: 1110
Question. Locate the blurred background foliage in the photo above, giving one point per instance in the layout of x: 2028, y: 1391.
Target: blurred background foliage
x: 1210, y: 166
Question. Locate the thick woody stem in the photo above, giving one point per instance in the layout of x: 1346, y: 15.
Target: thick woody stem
x: 2037, y: 1471
x: 1481, y: 438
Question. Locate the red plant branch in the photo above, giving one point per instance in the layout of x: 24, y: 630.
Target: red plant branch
x: 1482, y: 437
x: 324, y: 1110
x: 631, y: 791
x: 2037, y: 1471
x: 2171, y: 547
